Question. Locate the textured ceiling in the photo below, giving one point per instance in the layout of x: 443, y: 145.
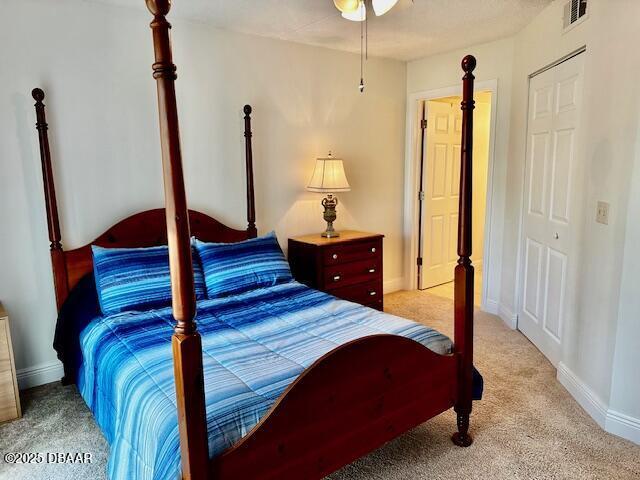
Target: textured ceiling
x: 411, y: 30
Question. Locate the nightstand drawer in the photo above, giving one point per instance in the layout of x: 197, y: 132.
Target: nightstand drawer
x: 338, y: 254
x: 337, y: 276
x: 364, y: 293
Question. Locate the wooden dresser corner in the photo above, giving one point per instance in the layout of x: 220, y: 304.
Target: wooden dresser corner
x: 9, y: 394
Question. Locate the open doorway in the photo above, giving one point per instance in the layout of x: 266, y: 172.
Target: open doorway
x: 438, y: 186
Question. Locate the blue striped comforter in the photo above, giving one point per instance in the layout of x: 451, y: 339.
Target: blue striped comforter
x: 254, y: 345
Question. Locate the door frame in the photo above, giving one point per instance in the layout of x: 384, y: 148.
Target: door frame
x: 519, y: 280
x: 411, y: 183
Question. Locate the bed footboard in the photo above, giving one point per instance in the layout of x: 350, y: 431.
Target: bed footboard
x: 349, y: 402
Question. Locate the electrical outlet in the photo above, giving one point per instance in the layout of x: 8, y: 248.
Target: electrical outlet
x: 602, y: 213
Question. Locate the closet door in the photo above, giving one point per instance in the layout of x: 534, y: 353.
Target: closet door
x: 549, y: 214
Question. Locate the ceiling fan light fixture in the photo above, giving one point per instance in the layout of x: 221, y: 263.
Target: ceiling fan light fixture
x: 380, y: 7
x: 347, y: 6
x: 358, y: 15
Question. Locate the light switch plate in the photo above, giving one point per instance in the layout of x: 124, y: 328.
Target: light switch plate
x: 602, y: 213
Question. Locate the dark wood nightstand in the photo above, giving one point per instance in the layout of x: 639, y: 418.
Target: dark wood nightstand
x: 349, y: 267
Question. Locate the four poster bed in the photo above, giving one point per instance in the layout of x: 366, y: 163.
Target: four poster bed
x: 306, y: 383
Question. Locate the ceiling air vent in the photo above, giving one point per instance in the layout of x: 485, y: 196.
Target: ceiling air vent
x: 574, y: 10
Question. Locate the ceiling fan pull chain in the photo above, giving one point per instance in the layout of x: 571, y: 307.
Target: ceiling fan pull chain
x: 361, y: 86
x: 350, y: 10
x: 366, y: 37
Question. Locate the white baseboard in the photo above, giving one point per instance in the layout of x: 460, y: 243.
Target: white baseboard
x: 585, y: 397
x: 393, y: 285
x: 491, y: 306
x: 505, y: 313
x: 611, y: 421
x: 508, y: 316
x: 39, y: 375
x: 623, y: 426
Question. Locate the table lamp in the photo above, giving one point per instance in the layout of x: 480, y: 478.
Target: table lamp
x: 329, y: 177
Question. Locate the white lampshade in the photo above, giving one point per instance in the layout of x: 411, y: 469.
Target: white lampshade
x: 357, y: 15
x: 328, y: 176
x: 383, y: 6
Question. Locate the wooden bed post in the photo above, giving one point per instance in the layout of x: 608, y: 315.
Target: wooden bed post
x: 463, y: 289
x: 186, y: 341
x: 251, y: 202
x: 57, y: 255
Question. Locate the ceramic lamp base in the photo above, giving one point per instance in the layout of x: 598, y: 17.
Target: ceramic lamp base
x: 330, y: 202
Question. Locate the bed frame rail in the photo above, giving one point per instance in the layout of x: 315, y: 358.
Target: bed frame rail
x: 349, y: 402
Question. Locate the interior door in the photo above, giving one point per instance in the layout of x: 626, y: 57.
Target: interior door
x: 441, y: 183
x: 549, y: 210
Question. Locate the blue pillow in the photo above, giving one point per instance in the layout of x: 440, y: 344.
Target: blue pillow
x: 136, y: 278
x: 232, y: 268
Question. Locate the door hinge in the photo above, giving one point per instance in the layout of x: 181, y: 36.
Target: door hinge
x: 421, y: 196
x: 419, y: 261
x: 423, y: 124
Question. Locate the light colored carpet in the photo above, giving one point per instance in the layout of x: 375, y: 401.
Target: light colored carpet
x: 526, y: 427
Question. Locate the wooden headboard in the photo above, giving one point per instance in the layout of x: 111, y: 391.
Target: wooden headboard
x: 143, y: 229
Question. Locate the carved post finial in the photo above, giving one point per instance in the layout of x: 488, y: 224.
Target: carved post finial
x: 37, y: 94
x: 159, y: 7
x: 469, y: 63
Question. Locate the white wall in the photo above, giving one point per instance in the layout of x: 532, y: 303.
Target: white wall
x: 94, y: 63
x: 609, y: 307
x: 494, y: 63
x: 481, y: 144
x: 625, y: 386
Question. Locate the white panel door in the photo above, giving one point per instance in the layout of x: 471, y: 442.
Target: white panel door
x: 549, y: 210
x: 441, y: 179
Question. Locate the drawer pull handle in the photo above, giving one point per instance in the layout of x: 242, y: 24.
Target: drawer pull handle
x: 373, y: 294
x: 373, y: 249
x: 336, y: 278
x: 334, y: 256
x: 372, y: 270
